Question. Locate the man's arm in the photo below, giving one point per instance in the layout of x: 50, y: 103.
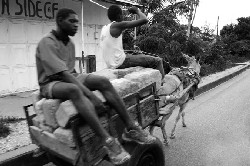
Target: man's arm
x: 131, y: 24
x: 118, y: 27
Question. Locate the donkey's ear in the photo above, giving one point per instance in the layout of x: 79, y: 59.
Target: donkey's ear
x: 198, y: 59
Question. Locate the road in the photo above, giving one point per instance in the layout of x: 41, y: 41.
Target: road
x: 218, y: 128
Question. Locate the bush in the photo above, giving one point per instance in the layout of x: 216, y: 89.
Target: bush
x: 4, y: 128
x: 174, y: 54
x: 128, y: 40
x: 180, y: 36
x: 152, y: 44
x: 193, y: 46
x: 241, y: 48
x: 207, y: 69
x: 214, y: 54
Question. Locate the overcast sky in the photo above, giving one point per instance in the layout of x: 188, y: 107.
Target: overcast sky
x: 227, y: 10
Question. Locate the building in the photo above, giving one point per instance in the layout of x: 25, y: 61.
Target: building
x: 24, y: 22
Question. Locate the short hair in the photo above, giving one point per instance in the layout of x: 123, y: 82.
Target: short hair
x: 64, y: 13
x: 114, y: 12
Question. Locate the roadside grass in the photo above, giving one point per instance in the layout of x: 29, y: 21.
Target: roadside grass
x: 5, y: 130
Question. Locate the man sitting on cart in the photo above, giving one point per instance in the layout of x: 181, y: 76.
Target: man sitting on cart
x: 112, y: 47
x: 55, y: 59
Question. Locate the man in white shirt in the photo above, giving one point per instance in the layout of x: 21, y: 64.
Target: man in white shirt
x: 111, y: 42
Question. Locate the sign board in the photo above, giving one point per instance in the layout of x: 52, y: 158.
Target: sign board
x: 40, y: 9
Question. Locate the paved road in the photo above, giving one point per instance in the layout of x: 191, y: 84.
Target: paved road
x: 12, y: 105
x: 218, y: 128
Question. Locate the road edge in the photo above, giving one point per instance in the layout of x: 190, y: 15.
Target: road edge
x: 23, y: 157
x: 219, y: 81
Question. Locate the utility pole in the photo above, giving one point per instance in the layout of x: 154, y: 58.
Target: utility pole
x: 190, y: 17
x: 135, y: 17
x: 218, y: 28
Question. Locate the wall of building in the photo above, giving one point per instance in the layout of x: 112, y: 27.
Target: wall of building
x: 94, y: 17
x: 23, y: 23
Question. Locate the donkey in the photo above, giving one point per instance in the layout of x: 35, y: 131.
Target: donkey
x: 173, y: 91
x: 195, y: 65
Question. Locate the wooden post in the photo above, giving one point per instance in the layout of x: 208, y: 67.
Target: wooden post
x: 217, y: 27
x: 90, y: 63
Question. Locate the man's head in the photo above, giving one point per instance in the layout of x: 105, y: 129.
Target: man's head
x: 115, y: 13
x: 67, y: 21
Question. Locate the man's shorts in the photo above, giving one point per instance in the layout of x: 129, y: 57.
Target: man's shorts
x: 46, y: 90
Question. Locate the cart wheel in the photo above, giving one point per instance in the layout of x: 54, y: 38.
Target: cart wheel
x: 146, y: 155
x: 57, y: 161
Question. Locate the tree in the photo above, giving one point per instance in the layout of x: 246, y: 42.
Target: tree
x: 227, y: 30
x: 237, y: 38
x: 207, y: 33
x: 152, y: 6
x: 242, y: 28
x: 185, y: 8
x: 192, y: 6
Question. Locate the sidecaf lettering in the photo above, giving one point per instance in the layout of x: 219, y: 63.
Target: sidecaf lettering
x: 29, y: 8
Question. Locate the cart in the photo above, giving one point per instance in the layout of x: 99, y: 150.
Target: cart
x: 143, y: 107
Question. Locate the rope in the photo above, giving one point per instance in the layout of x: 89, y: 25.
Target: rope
x: 104, y: 7
x: 98, y: 4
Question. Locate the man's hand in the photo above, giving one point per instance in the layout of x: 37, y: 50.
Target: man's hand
x: 133, y: 10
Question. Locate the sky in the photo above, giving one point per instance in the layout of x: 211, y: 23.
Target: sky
x: 227, y: 10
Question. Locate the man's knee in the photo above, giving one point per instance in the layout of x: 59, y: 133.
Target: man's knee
x: 74, y: 91
x: 157, y: 61
x: 104, y: 83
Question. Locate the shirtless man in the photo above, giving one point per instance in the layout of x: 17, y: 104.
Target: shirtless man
x: 55, y: 59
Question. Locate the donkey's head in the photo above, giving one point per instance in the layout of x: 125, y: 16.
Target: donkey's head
x: 193, y: 63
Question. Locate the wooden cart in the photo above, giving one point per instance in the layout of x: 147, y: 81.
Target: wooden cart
x: 142, y: 105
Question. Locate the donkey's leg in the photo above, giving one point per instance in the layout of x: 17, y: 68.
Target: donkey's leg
x: 162, y: 126
x: 182, y: 107
x: 163, y: 130
x: 151, y: 129
x: 175, y: 124
x: 164, y: 133
x: 183, y: 119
